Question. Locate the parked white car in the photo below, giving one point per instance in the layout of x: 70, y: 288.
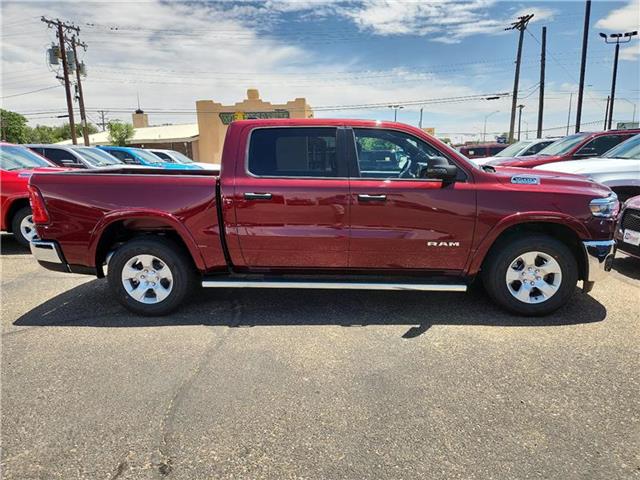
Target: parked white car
x: 619, y: 168
x: 177, y: 157
x: 523, y: 148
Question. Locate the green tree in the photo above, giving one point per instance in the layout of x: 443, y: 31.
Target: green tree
x: 13, y: 127
x: 120, y: 133
x: 64, y: 131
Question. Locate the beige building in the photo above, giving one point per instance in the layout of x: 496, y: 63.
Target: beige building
x: 214, y: 118
x: 203, y: 141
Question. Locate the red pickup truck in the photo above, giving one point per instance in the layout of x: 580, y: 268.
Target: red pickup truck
x: 300, y: 203
x: 17, y: 163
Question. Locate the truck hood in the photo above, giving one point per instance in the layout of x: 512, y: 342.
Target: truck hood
x: 27, y: 172
x: 544, y: 178
x: 525, y: 162
x: 593, y: 166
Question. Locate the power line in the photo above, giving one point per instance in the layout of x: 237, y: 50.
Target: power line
x: 31, y: 91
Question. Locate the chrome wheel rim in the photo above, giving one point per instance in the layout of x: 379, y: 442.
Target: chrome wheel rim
x: 147, y: 279
x: 28, y: 228
x: 533, y: 277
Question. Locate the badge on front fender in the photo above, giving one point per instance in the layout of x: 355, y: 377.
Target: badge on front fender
x: 525, y: 180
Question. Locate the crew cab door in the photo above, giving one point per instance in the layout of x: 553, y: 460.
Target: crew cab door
x: 398, y: 220
x: 291, y: 199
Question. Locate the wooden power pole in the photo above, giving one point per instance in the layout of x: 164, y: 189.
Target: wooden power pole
x: 521, y: 26
x: 83, y: 115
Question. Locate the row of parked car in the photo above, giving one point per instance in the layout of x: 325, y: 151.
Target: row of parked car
x: 75, y: 156
x: 17, y: 162
x: 609, y: 157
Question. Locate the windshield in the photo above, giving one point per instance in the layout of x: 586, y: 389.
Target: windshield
x: 563, y: 145
x: 629, y: 149
x: 147, y: 156
x: 17, y: 158
x: 97, y: 158
x: 513, y: 149
x: 181, y: 158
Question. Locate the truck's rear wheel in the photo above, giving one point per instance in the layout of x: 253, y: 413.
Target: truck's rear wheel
x: 532, y: 275
x: 151, y: 275
x: 22, y: 226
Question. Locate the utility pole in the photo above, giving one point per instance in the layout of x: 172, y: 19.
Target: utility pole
x: 521, y: 26
x: 606, y: 113
x: 61, y: 28
x: 520, y: 107
x: 420, y: 121
x: 543, y: 60
x: 615, y: 38
x: 569, y: 114
x: 583, y: 62
x: 103, y: 121
x: 83, y: 115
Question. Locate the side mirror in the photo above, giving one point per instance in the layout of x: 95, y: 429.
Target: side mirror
x: 438, y: 168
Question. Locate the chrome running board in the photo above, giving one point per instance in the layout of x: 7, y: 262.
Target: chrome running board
x: 306, y: 284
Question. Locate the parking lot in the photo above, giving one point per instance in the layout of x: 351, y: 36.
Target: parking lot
x: 315, y: 384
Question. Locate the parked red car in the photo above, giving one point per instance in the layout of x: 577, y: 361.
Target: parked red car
x: 16, y: 166
x: 628, y: 231
x: 482, y: 150
x: 573, y: 147
x: 299, y: 204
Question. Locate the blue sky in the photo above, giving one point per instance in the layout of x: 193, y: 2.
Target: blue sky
x: 335, y: 54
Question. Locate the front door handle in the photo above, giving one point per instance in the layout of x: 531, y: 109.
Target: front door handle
x: 363, y: 197
x: 257, y: 196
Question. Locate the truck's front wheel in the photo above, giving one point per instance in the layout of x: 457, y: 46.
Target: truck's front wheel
x: 533, y: 275
x: 151, y: 275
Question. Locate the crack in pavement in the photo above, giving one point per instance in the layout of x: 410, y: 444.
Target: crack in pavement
x: 164, y: 461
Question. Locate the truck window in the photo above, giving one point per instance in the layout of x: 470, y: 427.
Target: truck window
x: 62, y: 157
x: 293, y: 152
x: 390, y: 154
x: 536, y: 147
x: 123, y: 156
x: 603, y: 143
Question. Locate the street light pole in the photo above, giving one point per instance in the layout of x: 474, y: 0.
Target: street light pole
x: 616, y: 38
x: 520, y: 107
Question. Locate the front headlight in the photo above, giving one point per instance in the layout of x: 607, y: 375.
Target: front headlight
x: 605, y: 207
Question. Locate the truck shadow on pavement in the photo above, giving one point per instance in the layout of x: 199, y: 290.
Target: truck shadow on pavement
x: 91, y: 305
x: 10, y: 246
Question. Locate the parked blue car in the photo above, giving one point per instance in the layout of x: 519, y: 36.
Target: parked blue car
x: 138, y: 156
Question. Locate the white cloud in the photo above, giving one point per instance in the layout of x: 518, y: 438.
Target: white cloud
x: 632, y: 52
x: 623, y: 19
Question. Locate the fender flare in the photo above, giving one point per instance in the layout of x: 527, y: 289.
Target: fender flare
x: 478, y: 256
x: 8, y: 211
x: 170, y: 220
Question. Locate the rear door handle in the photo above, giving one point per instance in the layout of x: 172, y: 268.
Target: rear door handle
x: 257, y: 196
x: 363, y: 197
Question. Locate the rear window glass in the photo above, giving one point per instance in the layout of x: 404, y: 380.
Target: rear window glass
x: 293, y: 152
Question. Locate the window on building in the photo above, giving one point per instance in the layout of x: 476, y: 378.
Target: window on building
x: 293, y: 152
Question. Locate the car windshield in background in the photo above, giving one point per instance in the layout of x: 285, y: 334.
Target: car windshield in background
x: 563, y: 145
x: 181, y: 157
x: 512, y: 150
x: 629, y: 149
x: 148, y: 156
x: 97, y: 158
x: 17, y: 158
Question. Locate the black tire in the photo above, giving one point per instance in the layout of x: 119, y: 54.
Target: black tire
x: 501, y: 257
x: 172, y: 255
x: 17, y: 219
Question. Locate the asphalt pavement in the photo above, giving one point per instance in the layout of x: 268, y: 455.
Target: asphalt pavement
x: 299, y: 384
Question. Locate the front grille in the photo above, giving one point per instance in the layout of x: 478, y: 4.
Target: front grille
x: 631, y: 219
